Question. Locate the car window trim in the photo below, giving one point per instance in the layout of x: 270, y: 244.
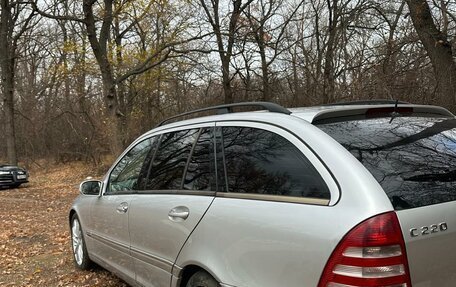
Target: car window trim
x: 177, y: 192
x: 328, y: 177
x: 160, y: 137
x: 323, y: 201
x: 214, y: 141
x: 275, y: 198
x: 184, y: 174
x: 219, y: 141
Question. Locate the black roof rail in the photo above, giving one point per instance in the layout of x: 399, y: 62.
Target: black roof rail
x: 227, y: 108
x: 367, y: 102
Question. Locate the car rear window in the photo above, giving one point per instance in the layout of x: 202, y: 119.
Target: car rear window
x: 413, y: 158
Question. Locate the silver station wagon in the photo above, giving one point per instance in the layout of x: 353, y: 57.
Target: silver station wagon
x: 344, y: 195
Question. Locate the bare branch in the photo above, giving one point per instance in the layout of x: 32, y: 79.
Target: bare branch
x: 52, y: 16
x: 146, y: 64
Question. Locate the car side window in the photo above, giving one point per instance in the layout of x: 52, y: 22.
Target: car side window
x: 261, y: 162
x: 200, y: 173
x: 170, y: 160
x: 124, y: 177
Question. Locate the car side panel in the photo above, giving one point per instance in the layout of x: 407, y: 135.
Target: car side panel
x: 118, y: 272
x: 81, y: 207
x: 109, y: 233
x: 267, y: 244
x: 156, y: 239
x: 254, y: 243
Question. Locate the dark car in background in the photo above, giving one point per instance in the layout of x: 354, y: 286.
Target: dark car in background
x: 12, y: 176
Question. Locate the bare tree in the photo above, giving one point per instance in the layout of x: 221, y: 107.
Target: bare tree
x: 105, y: 71
x: 99, y: 37
x: 267, y: 25
x: 14, y: 21
x: 225, y: 37
x: 439, y: 50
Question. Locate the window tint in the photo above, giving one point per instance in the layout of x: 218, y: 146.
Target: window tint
x: 170, y: 160
x: 413, y: 158
x: 201, y: 171
x: 124, y: 177
x: 261, y: 162
x: 220, y: 160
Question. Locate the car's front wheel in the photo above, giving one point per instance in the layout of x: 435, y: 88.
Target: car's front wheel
x: 202, y: 279
x: 80, y: 255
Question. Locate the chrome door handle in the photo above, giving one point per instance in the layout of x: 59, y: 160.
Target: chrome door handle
x: 122, y: 208
x: 179, y: 213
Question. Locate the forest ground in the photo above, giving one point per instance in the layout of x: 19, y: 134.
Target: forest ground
x: 34, y: 234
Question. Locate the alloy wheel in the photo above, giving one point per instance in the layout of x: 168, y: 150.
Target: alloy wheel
x: 77, y: 242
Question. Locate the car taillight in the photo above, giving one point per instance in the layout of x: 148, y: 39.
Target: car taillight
x: 371, y: 255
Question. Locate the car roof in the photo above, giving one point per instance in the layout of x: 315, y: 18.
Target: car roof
x: 310, y: 114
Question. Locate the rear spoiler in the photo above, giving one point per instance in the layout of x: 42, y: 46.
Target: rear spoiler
x: 353, y: 113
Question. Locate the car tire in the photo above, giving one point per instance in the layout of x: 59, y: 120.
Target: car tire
x: 202, y: 279
x: 80, y: 254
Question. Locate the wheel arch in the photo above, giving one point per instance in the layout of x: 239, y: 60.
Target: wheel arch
x: 70, y: 215
x: 188, y: 271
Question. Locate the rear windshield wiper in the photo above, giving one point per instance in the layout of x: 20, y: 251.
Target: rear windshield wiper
x: 399, y: 203
x: 394, y: 114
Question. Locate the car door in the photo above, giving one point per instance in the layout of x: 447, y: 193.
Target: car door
x: 110, y: 212
x: 179, y: 189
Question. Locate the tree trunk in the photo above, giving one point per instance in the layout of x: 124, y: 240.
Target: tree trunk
x: 328, y: 70
x: 7, y: 69
x: 225, y: 53
x: 116, y: 127
x: 226, y: 78
x: 439, y: 51
x: 388, y: 66
x: 123, y: 102
x: 296, y: 91
x: 99, y: 48
x: 260, y: 38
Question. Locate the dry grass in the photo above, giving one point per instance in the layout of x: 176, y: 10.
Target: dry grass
x: 34, y: 234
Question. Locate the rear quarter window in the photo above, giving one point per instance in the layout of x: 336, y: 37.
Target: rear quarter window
x: 413, y: 158
x: 258, y: 161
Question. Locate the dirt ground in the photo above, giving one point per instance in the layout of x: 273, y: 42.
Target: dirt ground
x: 34, y: 234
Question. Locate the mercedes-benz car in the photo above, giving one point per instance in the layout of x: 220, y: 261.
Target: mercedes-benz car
x: 12, y: 176
x: 350, y: 195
